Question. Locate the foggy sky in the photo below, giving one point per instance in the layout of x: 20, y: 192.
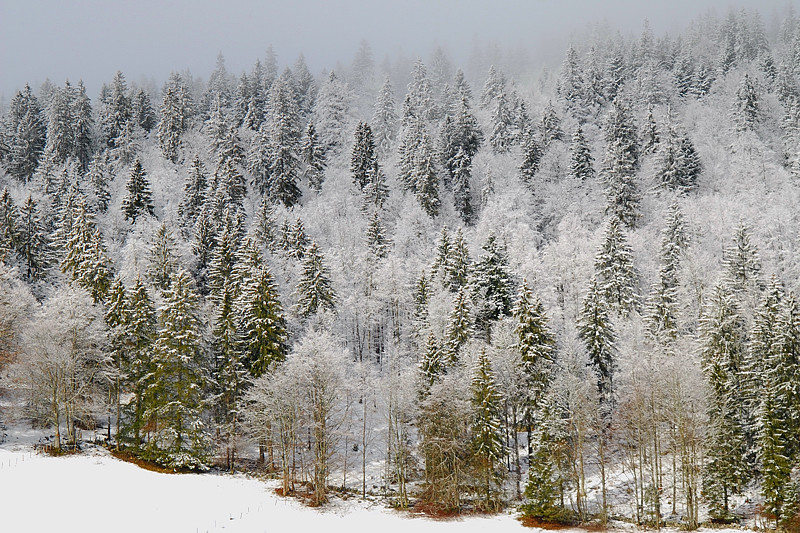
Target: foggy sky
x: 148, y: 39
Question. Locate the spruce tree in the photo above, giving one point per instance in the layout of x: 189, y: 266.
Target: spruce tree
x: 746, y: 108
x: 176, y: 110
x: 432, y: 363
x: 425, y: 177
x: 536, y: 345
x: 83, y: 127
x: 142, y: 112
x: 722, y: 354
x: 330, y: 113
x: 662, y: 317
x: 314, y: 291
x: 570, y: 82
x: 60, y: 142
x: 742, y: 263
x: 313, y: 159
x: 363, y: 158
x: 99, y: 177
x: 459, y: 327
x: 384, y: 120
x: 138, y: 200
x: 532, y: 156
x: 9, y: 222
x: 173, y: 395
x: 581, y: 162
x: 501, y: 137
x: 377, y: 241
x: 195, y: 192
x: 597, y: 333
x: 614, y: 270
x: 261, y: 322
x: 116, y: 110
x: 487, y: 442
x: 679, y: 165
x: 85, y: 258
x: 279, y: 179
x: 550, y: 126
x: 620, y: 165
x: 162, y: 259
x: 493, y: 286
x: 33, y: 243
x: 27, y: 130
x: 457, y: 265
x: 462, y: 197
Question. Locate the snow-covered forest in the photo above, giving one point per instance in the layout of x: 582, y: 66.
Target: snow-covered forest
x: 568, y: 290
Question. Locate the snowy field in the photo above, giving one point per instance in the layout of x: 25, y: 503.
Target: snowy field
x: 95, y: 492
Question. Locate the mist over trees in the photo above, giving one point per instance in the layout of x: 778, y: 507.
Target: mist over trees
x: 570, y: 290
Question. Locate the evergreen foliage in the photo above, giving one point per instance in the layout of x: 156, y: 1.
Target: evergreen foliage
x: 138, y: 200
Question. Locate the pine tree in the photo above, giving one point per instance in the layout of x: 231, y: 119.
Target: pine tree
x: 746, y: 108
x: 462, y: 197
x: 620, y: 164
x: 9, y: 231
x: 493, y: 286
x: 313, y: 159
x: 532, y: 157
x: 722, y: 354
x: 597, y: 333
x: 162, y: 259
x: 261, y: 322
x: 142, y: 112
x: 384, y: 120
x: 138, y: 201
x: 535, y: 343
x: 679, y: 164
x: 614, y: 270
x: 195, y: 191
x: 176, y: 110
x: 83, y: 127
x: 28, y: 133
x: 550, y: 126
x: 662, y: 317
x: 314, y: 291
x: 459, y: 327
x: 487, y: 441
x: 425, y: 177
x: 116, y: 111
x: 173, y: 396
x: 33, y: 244
x: 85, y: 259
x: 377, y: 241
x: 581, y: 163
x: 432, y: 364
x: 99, y: 177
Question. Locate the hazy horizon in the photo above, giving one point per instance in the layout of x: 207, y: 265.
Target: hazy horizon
x: 90, y: 40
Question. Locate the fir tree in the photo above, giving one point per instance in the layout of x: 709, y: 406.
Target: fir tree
x: 462, y: 197
x: 432, y: 363
x: 746, y: 108
x: 142, y: 112
x: 363, y: 159
x: 194, y: 193
x: 487, y: 441
x: 330, y: 113
x: 620, y: 164
x: 532, y: 157
x: 99, y: 177
x: 494, y: 285
x: 662, y: 317
x: 425, y: 177
x: 457, y: 266
x: 28, y: 133
x: 535, y: 343
x: 85, y: 260
x: 176, y: 108
x: 501, y: 137
x: 116, y: 110
x: 173, y: 396
x: 570, y: 82
x: 83, y: 127
x: 597, y: 333
x: 223, y: 255
x: 384, y: 120
x: 33, y: 244
x: 314, y: 291
x: 679, y: 164
x: 60, y: 142
x: 722, y: 354
x: 614, y: 270
x: 313, y: 158
x: 459, y: 327
x: 138, y: 200
x: 581, y: 162
x: 377, y: 241
x: 261, y: 322
x: 9, y: 216
x: 492, y: 88
x: 163, y: 262
x: 651, y: 135
x: 742, y: 263
x: 550, y: 126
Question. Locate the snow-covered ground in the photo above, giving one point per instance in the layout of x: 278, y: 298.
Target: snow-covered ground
x: 96, y: 492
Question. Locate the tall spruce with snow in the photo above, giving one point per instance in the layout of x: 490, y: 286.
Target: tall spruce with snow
x: 60, y: 143
x: 116, y: 110
x: 99, y: 176
x: 536, y: 345
x: 531, y: 158
x: 424, y: 176
x: 723, y: 341
x: 679, y: 164
x: 614, y: 270
x: 377, y: 240
x: 597, y: 333
x: 742, y: 264
x: 162, y: 259
x: 502, y: 134
x: 459, y: 327
x: 177, y: 436
x: 142, y: 112
x: 313, y: 158
x: 314, y: 290
x: 620, y: 164
x: 746, y: 106
x: 138, y: 200
x: 384, y: 119
x: 488, y: 439
x: 662, y: 316
x: 176, y: 111
x: 550, y: 126
x: 33, y: 242
x: 331, y: 112
x: 83, y: 127
x: 261, y: 321
x: 85, y: 259
x: 8, y: 226
x: 493, y: 285
x: 570, y: 82
x: 195, y: 191
x: 27, y: 131
x: 581, y: 165
x: 419, y: 103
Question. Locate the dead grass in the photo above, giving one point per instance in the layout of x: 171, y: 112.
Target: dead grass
x: 128, y: 457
